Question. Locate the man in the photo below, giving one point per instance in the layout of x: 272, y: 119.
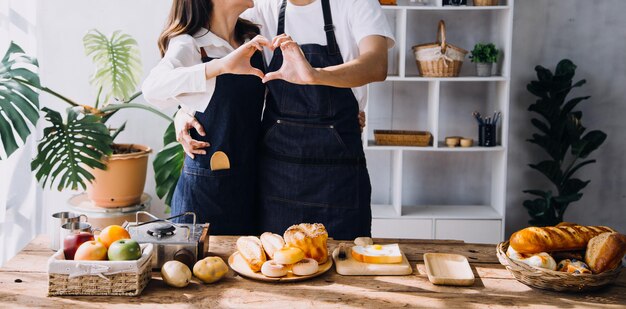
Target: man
x: 313, y: 165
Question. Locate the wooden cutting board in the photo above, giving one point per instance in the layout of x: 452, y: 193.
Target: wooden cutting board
x: 352, y: 267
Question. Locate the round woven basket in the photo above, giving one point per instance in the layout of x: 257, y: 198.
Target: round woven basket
x: 554, y: 280
x: 439, y: 59
x: 486, y: 2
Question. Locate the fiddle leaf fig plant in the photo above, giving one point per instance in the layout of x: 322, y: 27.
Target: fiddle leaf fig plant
x: 168, y: 165
x: 562, y: 136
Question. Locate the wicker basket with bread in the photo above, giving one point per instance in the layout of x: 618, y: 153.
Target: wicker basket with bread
x: 301, y: 253
x: 567, y: 257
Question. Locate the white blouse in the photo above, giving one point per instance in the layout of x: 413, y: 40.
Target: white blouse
x: 179, y: 78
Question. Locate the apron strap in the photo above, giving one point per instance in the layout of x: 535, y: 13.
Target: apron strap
x: 329, y: 28
x: 205, y: 58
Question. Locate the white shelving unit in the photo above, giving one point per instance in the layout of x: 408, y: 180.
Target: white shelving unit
x: 438, y: 192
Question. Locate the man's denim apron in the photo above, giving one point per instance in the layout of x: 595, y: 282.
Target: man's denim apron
x: 313, y: 165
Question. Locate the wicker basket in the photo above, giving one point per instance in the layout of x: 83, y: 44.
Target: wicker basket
x: 111, y: 278
x: 554, y: 280
x: 439, y: 59
x: 402, y: 138
x: 388, y: 2
x: 486, y: 2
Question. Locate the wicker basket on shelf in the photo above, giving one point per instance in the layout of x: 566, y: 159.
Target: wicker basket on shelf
x: 106, y: 278
x: 554, y: 280
x: 486, y: 2
x: 402, y: 138
x: 439, y: 59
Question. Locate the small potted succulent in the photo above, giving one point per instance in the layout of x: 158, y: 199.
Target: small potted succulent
x: 484, y: 55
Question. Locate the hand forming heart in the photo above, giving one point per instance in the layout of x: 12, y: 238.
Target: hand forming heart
x: 295, y: 68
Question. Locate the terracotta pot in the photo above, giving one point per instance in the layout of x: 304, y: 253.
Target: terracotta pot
x: 122, y: 183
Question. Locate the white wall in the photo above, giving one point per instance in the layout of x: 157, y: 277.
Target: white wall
x: 591, y: 33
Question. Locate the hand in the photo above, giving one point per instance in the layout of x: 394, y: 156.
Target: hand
x: 238, y: 62
x: 183, y: 122
x: 295, y: 69
x: 361, y: 120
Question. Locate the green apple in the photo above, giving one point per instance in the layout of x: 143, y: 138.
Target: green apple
x: 124, y: 250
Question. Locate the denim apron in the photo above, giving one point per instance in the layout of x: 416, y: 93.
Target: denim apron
x: 232, y: 122
x: 313, y: 165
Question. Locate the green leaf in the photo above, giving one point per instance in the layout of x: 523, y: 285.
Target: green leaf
x: 576, y: 167
x: 573, y: 186
x: 588, y: 143
x: 540, y: 125
x: 565, y: 70
x: 118, y: 131
x: 19, y: 104
x: 539, y: 193
x: 168, y: 165
x: 118, y: 63
x: 571, y: 104
x: 170, y: 134
x: 68, y: 148
x: 567, y: 199
x: 550, y: 169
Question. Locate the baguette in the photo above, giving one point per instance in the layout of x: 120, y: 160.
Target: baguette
x: 533, y: 240
x: 251, y: 250
x: 605, y: 252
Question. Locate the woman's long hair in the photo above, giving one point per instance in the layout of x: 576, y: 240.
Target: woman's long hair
x: 188, y: 16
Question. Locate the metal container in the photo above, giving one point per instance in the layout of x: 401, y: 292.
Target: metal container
x: 186, y: 243
x: 58, y: 220
x: 100, y: 217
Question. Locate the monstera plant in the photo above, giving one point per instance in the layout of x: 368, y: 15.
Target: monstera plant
x: 562, y: 136
x: 78, y: 143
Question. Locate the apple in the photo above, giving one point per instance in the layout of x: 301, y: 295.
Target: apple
x: 91, y: 251
x: 124, y: 250
x: 73, y: 241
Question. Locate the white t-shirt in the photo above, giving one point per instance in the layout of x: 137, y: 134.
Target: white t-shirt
x: 353, y: 21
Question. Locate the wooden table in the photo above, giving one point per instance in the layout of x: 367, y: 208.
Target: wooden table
x: 494, y: 286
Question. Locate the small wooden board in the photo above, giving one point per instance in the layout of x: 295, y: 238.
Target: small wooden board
x: 239, y: 265
x: 352, y: 267
x: 448, y: 269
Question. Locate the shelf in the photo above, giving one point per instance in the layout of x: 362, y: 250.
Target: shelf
x: 445, y: 8
x: 447, y: 79
x: 466, y: 212
x: 371, y: 145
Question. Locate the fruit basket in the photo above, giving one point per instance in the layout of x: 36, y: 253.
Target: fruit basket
x: 110, y: 278
x: 554, y: 280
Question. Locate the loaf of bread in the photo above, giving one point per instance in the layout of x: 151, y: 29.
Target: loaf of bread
x: 311, y: 238
x: 251, y: 249
x: 271, y: 243
x: 605, y: 252
x: 555, y: 238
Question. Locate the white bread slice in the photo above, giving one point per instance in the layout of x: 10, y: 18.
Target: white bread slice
x: 251, y: 250
x: 377, y: 254
x: 272, y: 243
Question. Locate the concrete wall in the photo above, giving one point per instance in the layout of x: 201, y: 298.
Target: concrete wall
x: 591, y: 33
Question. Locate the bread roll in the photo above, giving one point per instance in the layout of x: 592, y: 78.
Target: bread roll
x: 288, y: 255
x: 605, y: 252
x: 251, y: 250
x: 540, y: 260
x: 555, y: 238
x: 271, y: 243
x: 311, y: 238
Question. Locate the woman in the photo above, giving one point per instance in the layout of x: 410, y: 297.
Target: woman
x: 212, y: 66
x: 312, y: 165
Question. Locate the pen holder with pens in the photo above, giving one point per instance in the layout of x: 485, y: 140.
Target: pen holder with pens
x: 487, y: 135
x: 487, y: 129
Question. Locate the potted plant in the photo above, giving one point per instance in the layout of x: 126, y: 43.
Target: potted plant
x: 484, y: 55
x: 79, y: 151
x: 561, y: 136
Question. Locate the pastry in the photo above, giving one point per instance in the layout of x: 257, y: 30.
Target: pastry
x: 377, y: 254
x: 271, y: 242
x: 363, y: 241
x: 273, y: 269
x: 547, y: 239
x: 311, y: 238
x: 288, y: 255
x: 305, y: 267
x: 573, y: 266
x: 539, y: 260
x: 605, y: 252
x: 251, y: 249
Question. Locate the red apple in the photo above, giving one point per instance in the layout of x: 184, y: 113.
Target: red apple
x: 73, y: 241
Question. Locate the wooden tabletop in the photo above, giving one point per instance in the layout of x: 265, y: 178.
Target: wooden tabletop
x: 23, y: 283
